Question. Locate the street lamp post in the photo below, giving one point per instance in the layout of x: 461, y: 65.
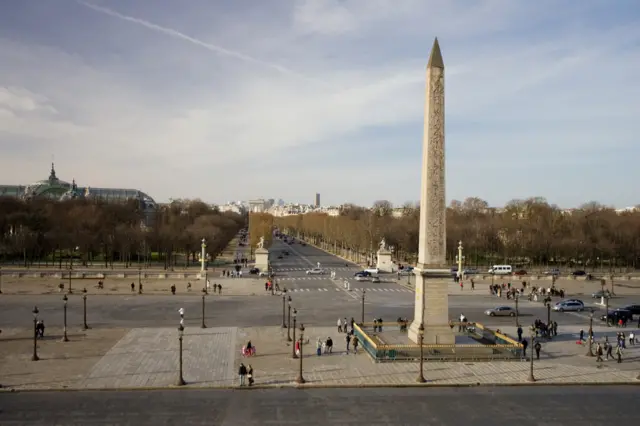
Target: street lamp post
x: 204, y: 290
x: 139, y: 275
x: 548, y: 314
x: 284, y: 300
x: 421, y: 378
x: 0, y: 280
x: 70, y: 269
x: 606, y: 310
x: 180, y: 381
x: 590, y: 337
x: 300, y: 380
x: 515, y: 295
x: 531, y: 378
x: 362, y: 313
x: 84, y: 309
x: 35, y: 334
x: 289, y: 322
x: 293, y: 350
x: 64, y: 333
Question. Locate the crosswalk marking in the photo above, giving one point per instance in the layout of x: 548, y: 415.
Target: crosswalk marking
x: 306, y: 269
x: 379, y: 290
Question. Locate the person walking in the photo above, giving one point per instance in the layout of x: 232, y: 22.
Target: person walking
x: 348, y: 340
x: 242, y: 372
x: 537, y: 348
x: 354, y: 343
x: 619, y: 354
x: 250, y: 374
x: 339, y: 325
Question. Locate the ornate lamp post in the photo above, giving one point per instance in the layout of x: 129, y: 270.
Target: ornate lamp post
x: 284, y: 300
x: 64, y: 335
x: 70, y: 269
x: 421, y: 378
x: 139, y: 275
x: 84, y: 309
x: 548, y: 314
x: 517, y: 311
x: 180, y: 381
x: 590, y: 351
x: 204, y: 292
x: 293, y: 347
x: 531, y: 378
x: 362, y: 313
x: 35, y: 334
x: 289, y: 322
x: 300, y: 380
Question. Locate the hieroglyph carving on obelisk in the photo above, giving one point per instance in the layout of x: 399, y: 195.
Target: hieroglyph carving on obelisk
x: 432, y: 243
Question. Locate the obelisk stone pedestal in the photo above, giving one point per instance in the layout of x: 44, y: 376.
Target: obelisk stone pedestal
x: 432, y: 272
x: 262, y: 259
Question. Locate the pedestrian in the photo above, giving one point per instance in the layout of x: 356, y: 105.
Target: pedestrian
x: 581, y: 335
x: 537, y: 347
x: 609, y: 348
x: 355, y: 345
x: 242, y: 372
x: 339, y: 325
x: 619, y: 353
x: 348, y: 340
x: 473, y: 284
x: 519, y: 333
x: 525, y: 343
x: 344, y: 324
x: 329, y: 345
x: 133, y: 287
x: 266, y: 286
x: 632, y: 339
x: 250, y: 374
x: 599, y: 353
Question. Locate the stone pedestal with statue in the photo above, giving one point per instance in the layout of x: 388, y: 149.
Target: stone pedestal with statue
x: 262, y: 256
x: 384, y: 263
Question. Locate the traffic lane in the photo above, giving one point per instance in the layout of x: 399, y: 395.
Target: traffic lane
x: 162, y: 311
x: 326, y: 259
x: 524, y: 406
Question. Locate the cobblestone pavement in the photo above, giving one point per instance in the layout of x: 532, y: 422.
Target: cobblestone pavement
x: 149, y: 357
x: 61, y: 364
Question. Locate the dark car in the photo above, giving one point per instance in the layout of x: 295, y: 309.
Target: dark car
x: 520, y: 272
x: 362, y: 274
x: 303, y: 244
x: 634, y: 309
x: 579, y: 273
x: 254, y: 271
x: 617, y: 315
x: 280, y: 257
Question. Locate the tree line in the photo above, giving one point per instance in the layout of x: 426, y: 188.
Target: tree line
x: 63, y: 233
x: 522, y: 233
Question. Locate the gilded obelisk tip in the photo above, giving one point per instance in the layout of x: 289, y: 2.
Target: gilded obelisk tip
x: 435, y: 58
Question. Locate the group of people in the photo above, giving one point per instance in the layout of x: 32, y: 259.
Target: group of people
x: 325, y: 347
x: 231, y: 274
x: 246, y: 372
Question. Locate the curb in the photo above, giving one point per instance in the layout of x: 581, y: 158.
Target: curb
x: 309, y: 386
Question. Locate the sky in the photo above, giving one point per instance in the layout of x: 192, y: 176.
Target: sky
x: 241, y: 99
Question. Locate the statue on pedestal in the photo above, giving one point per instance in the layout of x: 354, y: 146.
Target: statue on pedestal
x: 383, y: 245
x: 261, y: 243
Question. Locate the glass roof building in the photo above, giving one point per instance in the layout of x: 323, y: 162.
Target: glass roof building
x: 57, y: 189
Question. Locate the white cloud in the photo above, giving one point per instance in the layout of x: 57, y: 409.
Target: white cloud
x: 164, y: 131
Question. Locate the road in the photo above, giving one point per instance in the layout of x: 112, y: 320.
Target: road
x: 454, y: 406
x: 319, y: 300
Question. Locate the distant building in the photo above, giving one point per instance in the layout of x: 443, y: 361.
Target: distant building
x: 317, y: 200
x: 56, y: 189
x: 257, y: 206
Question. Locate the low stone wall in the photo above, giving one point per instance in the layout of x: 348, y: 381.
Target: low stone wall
x: 103, y: 275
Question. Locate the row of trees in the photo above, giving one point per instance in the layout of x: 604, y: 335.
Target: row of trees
x: 53, y: 232
x: 523, y: 232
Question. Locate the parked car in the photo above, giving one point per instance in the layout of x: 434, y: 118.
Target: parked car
x: 579, y: 273
x: 634, y: 309
x: 568, y: 306
x: 470, y: 271
x: 552, y: 272
x: 315, y: 271
x: 375, y: 280
x: 617, y: 315
x: 601, y: 293
x: 501, y: 311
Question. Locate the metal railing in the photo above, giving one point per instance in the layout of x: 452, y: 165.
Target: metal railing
x: 501, y: 347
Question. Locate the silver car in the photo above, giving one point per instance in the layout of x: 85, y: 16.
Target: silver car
x: 315, y: 271
x: 501, y: 311
x: 568, y: 306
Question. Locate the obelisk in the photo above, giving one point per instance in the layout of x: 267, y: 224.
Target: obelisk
x: 432, y: 273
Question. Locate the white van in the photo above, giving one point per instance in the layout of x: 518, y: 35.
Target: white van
x: 501, y: 270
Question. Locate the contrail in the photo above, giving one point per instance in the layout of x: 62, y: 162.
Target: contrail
x: 211, y: 47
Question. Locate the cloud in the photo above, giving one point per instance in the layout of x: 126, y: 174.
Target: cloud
x: 330, y: 100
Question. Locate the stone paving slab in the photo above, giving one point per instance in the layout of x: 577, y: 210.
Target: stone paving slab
x: 149, y: 357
